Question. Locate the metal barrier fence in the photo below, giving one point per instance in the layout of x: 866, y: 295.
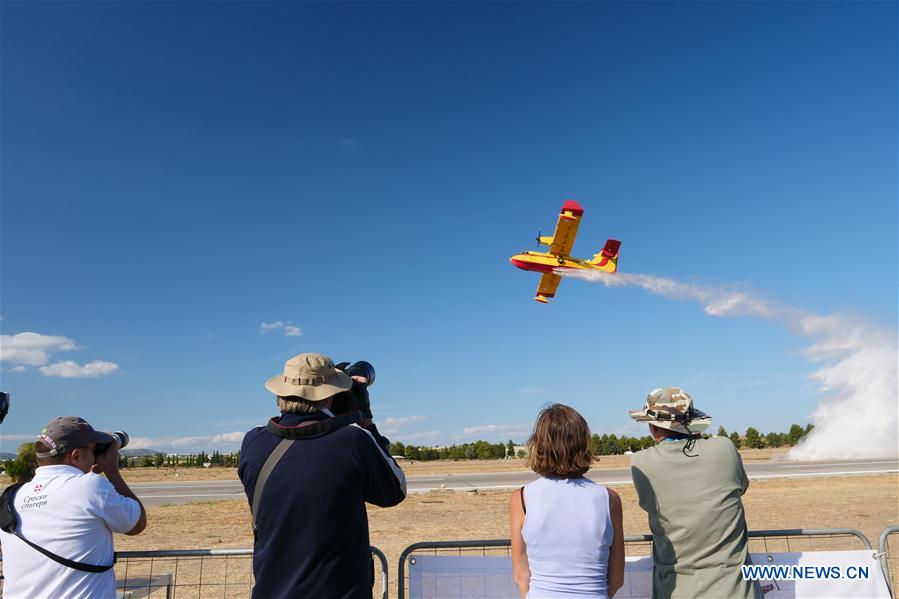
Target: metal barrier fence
x: 227, y: 573
x: 890, y: 567
x: 196, y: 573
x: 760, y: 541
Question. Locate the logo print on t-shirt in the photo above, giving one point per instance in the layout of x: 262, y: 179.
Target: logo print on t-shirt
x: 38, y: 488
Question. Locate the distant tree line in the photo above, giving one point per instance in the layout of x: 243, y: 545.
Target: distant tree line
x: 479, y: 450
x: 161, y: 460
x: 599, y: 445
x: 753, y: 439
x: 21, y: 468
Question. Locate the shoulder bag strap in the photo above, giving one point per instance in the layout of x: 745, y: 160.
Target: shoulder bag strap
x: 273, y: 458
x: 67, y: 562
x: 10, y: 524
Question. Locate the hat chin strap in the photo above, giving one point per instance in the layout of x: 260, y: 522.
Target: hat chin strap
x: 691, y: 442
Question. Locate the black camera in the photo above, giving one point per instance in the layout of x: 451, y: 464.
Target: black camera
x: 360, y: 368
x: 4, y: 404
x: 357, y: 396
x: 119, y: 439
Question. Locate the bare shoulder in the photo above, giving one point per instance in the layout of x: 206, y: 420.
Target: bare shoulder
x: 516, y: 509
x: 614, y: 498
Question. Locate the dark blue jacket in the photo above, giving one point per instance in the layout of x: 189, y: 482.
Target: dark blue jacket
x: 312, y: 527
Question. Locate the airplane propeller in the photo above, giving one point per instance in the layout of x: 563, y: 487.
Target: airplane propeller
x: 539, y: 234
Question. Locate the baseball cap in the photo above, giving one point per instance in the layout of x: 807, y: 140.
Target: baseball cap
x: 65, y: 433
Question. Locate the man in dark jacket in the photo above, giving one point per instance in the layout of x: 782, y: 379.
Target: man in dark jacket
x: 311, y: 526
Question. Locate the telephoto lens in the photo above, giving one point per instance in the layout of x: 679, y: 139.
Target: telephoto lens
x: 120, y: 439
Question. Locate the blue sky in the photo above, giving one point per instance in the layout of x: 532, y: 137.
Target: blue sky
x: 175, y: 175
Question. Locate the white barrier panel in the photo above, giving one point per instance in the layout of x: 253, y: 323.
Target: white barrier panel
x: 858, y: 575
x: 490, y: 576
x: 478, y: 576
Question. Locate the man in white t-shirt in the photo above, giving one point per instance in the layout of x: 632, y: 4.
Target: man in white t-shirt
x: 71, y: 511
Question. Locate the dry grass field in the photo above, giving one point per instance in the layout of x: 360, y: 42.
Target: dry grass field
x: 146, y: 475
x: 868, y: 503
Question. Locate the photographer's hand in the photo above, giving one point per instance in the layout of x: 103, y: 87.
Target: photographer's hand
x: 360, y: 392
x: 108, y: 464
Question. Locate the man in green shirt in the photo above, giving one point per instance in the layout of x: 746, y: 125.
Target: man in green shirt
x: 691, y: 489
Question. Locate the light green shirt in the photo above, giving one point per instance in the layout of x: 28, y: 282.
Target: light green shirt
x: 696, y: 518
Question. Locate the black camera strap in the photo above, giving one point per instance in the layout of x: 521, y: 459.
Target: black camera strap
x: 311, y: 429
x: 288, y: 434
x: 9, y: 522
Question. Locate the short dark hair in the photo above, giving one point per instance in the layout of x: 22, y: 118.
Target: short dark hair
x: 559, y: 444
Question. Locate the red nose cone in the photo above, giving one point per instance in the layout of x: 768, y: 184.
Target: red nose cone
x: 520, y: 264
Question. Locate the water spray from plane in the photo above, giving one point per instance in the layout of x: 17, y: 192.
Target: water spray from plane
x: 859, y: 416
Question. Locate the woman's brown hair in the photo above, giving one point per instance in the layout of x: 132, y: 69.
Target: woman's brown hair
x: 558, y: 445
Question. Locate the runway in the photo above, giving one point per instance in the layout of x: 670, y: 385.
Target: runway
x: 161, y: 493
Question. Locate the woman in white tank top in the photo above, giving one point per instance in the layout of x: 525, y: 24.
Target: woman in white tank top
x: 567, y: 537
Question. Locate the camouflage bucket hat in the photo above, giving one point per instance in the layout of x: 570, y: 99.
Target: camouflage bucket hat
x: 672, y: 408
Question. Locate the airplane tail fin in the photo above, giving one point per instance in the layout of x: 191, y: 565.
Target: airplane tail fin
x: 607, y: 259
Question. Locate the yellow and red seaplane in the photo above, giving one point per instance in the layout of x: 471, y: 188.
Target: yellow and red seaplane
x: 559, y: 258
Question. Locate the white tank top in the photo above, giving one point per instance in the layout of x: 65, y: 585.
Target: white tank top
x: 568, y: 532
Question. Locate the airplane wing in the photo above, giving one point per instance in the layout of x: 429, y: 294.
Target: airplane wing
x: 547, y: 288
x: 566, y: 229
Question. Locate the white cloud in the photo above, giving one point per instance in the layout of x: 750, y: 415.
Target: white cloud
x: 418, y: 438
x: 267, y: 327
x: 393, y: 426
x: 531, y: 390
x: 32, y: 349
x: 492, y: 432
x: 142, y: 443
x: 348, y: 142
x: 184, y: 441
x: 71, y: 370
x: 228, y: 437
x: 221, y: 441
x: 290, y: 329
x: 859, y: 418
x: 390, y: 421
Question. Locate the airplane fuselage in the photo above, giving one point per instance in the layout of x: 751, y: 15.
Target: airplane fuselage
x: 545, y: 262
x: 557, y: 260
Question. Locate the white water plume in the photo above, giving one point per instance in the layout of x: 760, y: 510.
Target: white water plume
x: 859, y: 415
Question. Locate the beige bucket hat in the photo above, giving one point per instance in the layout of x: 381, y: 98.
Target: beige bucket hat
x: 672, y: 408
x: 310, y: 376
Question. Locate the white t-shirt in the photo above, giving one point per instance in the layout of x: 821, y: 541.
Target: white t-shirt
x: 73, y: 515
